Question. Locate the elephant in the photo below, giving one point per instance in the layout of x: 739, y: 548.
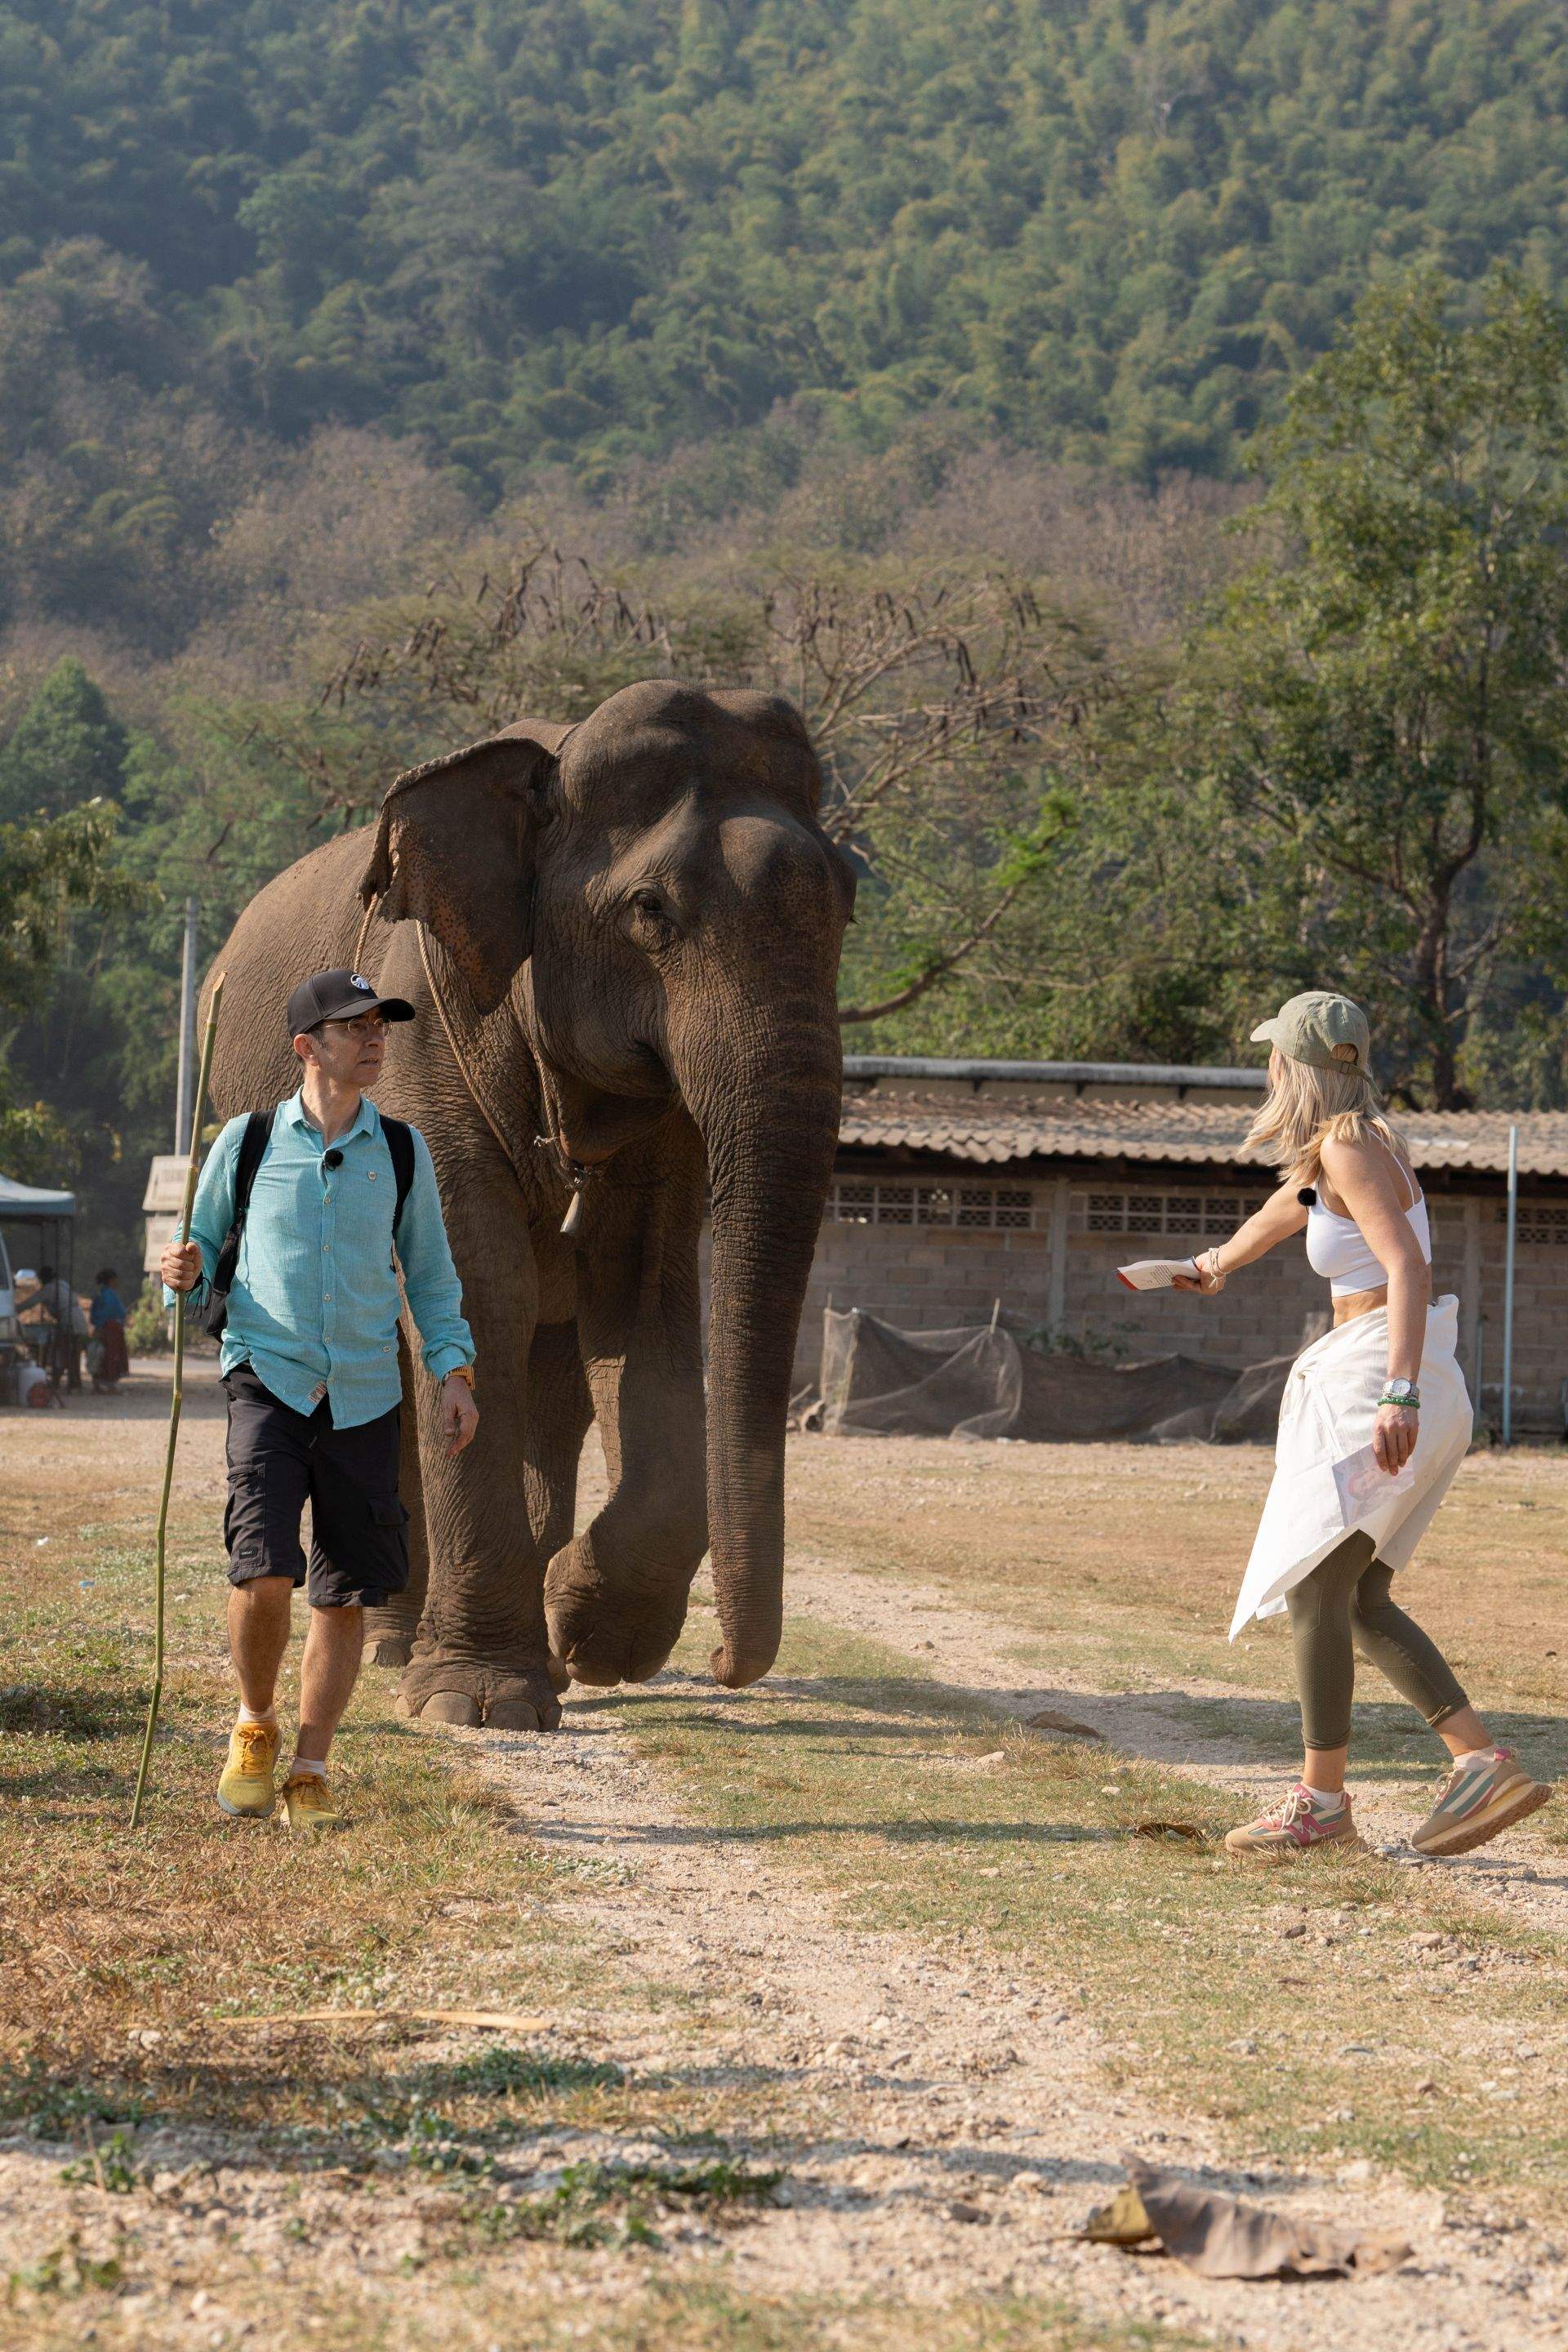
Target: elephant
x: 621, y: 937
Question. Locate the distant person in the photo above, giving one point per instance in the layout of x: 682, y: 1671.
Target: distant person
x: 63, y: 1308
x: 106, y: 1313
x: 309, y: 1366
x: 1375, y: 1422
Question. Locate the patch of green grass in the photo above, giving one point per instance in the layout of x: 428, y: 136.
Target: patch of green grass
x: 1309, y: 2045
x: 501, y: 2070
x: 63, y: 2272
x: 601, y: 2202
x: 54, y: 2109
x: 111, y: 2165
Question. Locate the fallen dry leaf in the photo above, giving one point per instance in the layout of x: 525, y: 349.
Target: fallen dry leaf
x: 1048, y: 1719
x: 1122, y: 2222
x: 1221, y: 2237
x: 1187, y: 1833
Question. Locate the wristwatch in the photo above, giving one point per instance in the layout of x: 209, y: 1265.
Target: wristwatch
x: 1404, y: 1392
x: 464, y: 1372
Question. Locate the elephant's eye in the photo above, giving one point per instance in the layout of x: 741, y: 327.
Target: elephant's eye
x: 651, y: 917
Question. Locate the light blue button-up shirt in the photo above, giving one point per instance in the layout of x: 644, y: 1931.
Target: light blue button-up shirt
x: 314, y: 1304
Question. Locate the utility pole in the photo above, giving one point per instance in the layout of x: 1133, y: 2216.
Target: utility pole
x: 187, y: 1031
x: 1507, y: 1287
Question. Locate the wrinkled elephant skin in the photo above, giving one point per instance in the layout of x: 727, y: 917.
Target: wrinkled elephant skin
x: 622, y: 942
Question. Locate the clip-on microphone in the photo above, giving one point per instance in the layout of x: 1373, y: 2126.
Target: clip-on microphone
x: 333, y: 1159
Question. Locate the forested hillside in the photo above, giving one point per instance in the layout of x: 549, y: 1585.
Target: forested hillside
x: 371, y: 371
x: 529, y: 230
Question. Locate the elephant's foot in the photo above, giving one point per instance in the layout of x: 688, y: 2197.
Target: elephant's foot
x: 443, y: 1689
x: 390, y: 1633
x: 606, y: 1631
x: 389, y: 1650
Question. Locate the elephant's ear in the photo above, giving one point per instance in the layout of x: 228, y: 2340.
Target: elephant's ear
x: 455, y: 850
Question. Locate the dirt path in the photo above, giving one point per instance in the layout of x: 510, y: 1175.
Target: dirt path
x: 966, y: 2126
x: 968, y: 1652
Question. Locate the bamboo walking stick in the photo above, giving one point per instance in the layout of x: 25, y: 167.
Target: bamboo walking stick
x: 185, y: 1235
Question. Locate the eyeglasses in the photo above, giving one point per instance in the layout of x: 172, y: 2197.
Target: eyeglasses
x: 367, y: 1024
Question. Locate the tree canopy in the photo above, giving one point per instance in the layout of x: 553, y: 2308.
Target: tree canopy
x: 67, y: 747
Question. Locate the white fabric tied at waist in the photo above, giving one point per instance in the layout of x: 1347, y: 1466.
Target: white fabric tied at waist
x: 1327, y: 1414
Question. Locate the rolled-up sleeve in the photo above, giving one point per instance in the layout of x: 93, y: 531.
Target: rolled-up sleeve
x: 429, y: 1277
x: 213, y: 1212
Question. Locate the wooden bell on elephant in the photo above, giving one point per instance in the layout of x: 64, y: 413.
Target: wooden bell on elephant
x: 573, y: 1217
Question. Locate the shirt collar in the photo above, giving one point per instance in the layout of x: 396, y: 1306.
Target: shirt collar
x: 367, y: 1118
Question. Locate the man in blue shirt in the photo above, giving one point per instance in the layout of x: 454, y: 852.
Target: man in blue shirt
x: 309, y: 1365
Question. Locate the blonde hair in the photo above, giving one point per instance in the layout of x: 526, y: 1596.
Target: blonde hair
x: 1306, y: 1107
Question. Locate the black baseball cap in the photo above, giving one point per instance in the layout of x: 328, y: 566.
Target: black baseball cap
x: 341, y: 995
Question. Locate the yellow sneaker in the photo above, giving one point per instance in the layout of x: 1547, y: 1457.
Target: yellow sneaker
x: 245, y: 1788
x: 308, y: 1803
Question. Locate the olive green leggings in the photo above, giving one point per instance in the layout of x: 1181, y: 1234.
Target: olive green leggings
x: 1342, y: 1607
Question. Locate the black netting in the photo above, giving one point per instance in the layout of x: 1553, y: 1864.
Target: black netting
x: 976, y: 1381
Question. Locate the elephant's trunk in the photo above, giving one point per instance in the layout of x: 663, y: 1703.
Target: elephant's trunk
x: 768, y: 1116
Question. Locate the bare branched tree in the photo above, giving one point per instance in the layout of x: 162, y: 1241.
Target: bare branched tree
x: 941, y: 716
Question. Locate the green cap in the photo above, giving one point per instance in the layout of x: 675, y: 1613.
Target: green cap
x: 1317, y: 1028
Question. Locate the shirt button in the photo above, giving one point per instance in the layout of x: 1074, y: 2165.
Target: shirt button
x: 326, y: 1246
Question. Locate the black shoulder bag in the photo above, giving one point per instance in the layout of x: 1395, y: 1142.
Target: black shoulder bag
x: 252, y: 1144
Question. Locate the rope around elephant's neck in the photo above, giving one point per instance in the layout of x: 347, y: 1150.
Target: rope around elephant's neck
x: 365, y: 932
x: 464, y: 1072
x: 576, y: 1174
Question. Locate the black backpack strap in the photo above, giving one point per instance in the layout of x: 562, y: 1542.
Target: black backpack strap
x: 400, y: 1144
x: 252, y: 1144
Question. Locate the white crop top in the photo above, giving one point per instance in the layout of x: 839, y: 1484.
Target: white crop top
x: 1336, y: 1247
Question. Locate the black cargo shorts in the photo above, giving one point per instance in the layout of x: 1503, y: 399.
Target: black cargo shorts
x: 278, y: 1461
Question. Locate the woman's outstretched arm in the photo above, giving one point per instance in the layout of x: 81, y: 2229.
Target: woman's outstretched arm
x: 1281, y: 1216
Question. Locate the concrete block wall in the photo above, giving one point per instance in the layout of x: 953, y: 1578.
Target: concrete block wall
x: 923, y: 1279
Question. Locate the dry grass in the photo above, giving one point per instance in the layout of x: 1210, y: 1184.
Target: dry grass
x: 476, y: 2315
x: 1127, y: 1558
x: 106, y: 1930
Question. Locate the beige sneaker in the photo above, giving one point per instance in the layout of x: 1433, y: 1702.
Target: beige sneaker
x: 308, y: 1803
x: 1476, y: 1800
x: 1296, y: 1825
x: 245, y: 1788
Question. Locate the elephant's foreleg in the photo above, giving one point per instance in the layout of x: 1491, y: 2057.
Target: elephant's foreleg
x: 389, y: 1632
x: 481, y: 1653
x: 616, y: 1596
x: 560, y: 1410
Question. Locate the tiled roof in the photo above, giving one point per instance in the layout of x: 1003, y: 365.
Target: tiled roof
x: 1174, y: 1133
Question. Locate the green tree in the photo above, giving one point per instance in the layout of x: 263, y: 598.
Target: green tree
x: 67, y: 748
x: 1375, y: 718
x: 48, y: 868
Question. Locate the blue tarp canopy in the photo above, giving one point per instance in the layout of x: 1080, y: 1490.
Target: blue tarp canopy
x: 26, y: 1201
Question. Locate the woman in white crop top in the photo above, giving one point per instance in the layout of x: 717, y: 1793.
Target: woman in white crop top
x: 1374, y: 1421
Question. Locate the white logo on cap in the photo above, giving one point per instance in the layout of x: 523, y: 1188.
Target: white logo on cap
x: 357, y: 980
